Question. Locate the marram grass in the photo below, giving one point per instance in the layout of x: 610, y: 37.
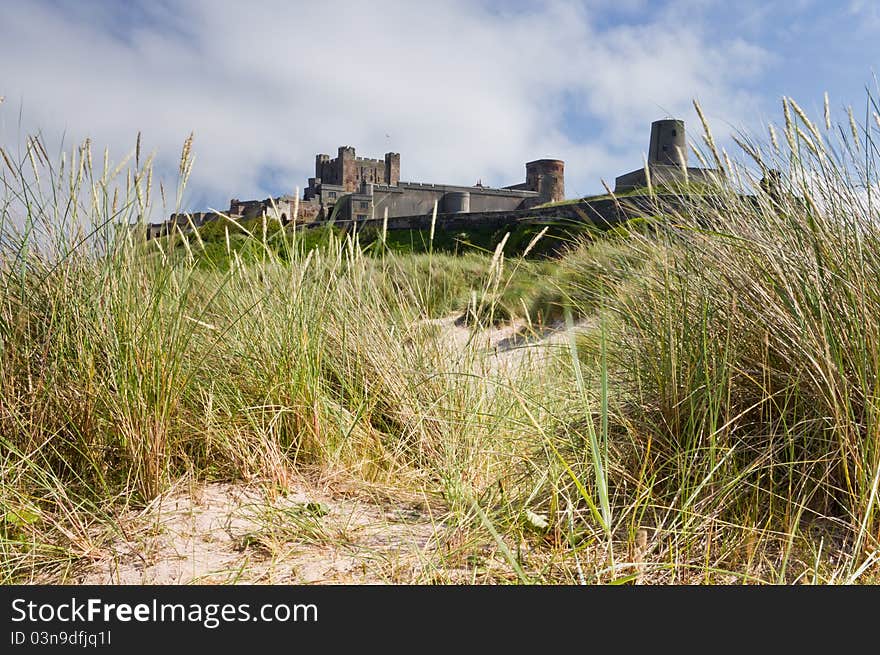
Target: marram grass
x: 714, y: 420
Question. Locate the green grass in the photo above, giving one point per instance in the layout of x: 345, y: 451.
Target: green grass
x: 556, y: 240
x: 715, y: 419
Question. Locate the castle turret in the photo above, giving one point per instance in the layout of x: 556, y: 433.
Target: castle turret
x: 547, y: 177
x: 668, y: 145
x: 322, y: 166
x: 346, y: 162
x: 457, y: 202
x: 392, y: 168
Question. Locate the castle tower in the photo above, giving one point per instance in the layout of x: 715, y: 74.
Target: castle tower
x: 547, y: 177
x: 321, y: 168
x: 457, y: 202
x: 347, y: 169
x: 392, y: 168
x: 668, y: 145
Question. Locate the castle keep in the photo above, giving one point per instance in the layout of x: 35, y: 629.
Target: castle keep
x: 349, y: 172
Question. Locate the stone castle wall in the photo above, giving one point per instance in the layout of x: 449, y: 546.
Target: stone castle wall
x: 411, y: 198
x: 601, y: 213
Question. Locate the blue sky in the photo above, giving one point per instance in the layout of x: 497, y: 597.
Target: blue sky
x: 463, y: 90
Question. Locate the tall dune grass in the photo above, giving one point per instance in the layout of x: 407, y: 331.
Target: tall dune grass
x: 750, y: 342
x: 717, y: 421
x: 128, y: 364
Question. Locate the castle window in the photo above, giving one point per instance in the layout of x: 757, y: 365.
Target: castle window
x: 362, y: 205
x: 331, y: 194
x: 674, y: 132
x: 360, y: 217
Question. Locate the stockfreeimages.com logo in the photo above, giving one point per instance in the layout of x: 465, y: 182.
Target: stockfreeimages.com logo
x: 209, y: 615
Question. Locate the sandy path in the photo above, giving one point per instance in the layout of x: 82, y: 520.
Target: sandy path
x: 223, y: 533
x: 506, y: 349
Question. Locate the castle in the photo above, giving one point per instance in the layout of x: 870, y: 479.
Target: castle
x: 356, y: 188
x: 352, y: 189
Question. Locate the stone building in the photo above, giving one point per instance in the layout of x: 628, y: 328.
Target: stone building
x: 352, y: 188
x: 349, y: 172
x: 185, y: 222
x: 283, y: 209
x: 667, y: 160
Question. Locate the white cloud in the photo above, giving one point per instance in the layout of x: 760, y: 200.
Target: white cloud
x: 464, y: 91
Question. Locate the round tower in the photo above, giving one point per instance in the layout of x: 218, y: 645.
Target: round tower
x: 668, y: 145
x: 547, y: 177
x: 457, y: 202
